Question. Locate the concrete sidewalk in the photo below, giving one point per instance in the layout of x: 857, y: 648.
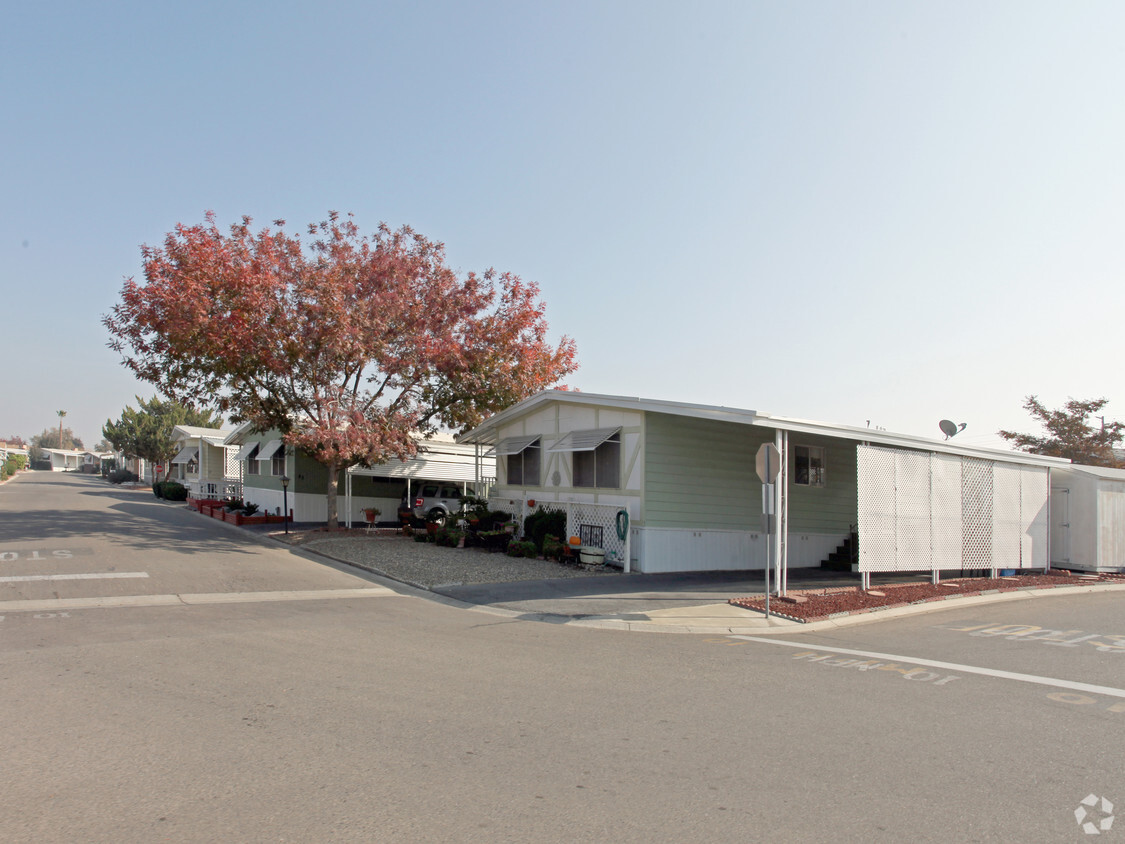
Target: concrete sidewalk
x: 696, y: 603
x: 683, y: 602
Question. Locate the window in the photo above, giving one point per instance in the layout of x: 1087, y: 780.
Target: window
x: 596, y: 455
x: 808, y: 468
x: 277, y: 464
x: 252, y: 460
x: 523, y: 467
x: 600, y: 468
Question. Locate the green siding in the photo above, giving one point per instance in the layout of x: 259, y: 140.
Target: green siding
x: 832, y: 507
x: 700, y: 473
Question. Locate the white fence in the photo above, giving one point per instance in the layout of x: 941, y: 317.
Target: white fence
x: 215, y: 489
x: 921, y: 511
x: 595, y: 524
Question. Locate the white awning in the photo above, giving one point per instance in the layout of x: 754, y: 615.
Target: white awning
x: 584, y: 440
x: 511, y: 445
x: 270, y: 449
x: 187, y: 454
x: 245, y: 451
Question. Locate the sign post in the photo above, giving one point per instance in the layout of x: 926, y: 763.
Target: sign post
x: 767, y: 462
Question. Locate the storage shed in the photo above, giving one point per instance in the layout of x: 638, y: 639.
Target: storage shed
x: 1088, y: 518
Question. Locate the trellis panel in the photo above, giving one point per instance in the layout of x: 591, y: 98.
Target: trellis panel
x: 920, y: 511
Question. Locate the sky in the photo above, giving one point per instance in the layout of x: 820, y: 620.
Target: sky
x: 867, y: 213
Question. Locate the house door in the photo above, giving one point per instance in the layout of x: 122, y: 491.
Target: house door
x: 1060, y: 526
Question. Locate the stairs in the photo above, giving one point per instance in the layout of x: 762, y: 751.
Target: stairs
x: 846, y: 553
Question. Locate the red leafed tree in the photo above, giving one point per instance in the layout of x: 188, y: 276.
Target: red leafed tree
x: 347, y: 343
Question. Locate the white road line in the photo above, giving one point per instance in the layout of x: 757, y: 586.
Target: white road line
x: 950, y: 666
x: 57, y: 604
x: 91, y: 576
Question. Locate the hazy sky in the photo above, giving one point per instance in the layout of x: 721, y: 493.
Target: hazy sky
x: 884, y: 211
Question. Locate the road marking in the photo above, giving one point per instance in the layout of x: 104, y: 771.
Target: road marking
x: 57, y: 604
x: 106, y: 575
x: 950, y: 666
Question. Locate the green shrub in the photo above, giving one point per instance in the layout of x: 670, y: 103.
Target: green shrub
x: 522, y: 548
x: 542, y: 522
x: 173, y: 491
x: 552, y: 548
x: 249, y: 509
x: 493, y: 519
x: 449, y: 537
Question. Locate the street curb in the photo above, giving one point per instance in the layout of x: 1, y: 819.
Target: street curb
x: 763, y: 626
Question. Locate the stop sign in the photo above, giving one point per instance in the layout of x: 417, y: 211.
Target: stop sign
x: 767, y: 463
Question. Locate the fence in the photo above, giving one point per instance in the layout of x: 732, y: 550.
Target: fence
x: 215, y: 490
x: 595, y: 524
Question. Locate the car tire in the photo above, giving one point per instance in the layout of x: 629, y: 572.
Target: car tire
x: 437, y: 516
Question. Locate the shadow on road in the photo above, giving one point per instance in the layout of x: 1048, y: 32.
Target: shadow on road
x: 136, y: 519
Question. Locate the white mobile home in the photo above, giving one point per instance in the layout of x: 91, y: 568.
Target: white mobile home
x: 263, y: 460
x: 203, y: 463
x: 685, y: 476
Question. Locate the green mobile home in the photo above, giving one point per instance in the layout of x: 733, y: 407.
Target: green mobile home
x: 685, y: 476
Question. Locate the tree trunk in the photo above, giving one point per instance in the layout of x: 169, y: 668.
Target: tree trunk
x: 333, y: 486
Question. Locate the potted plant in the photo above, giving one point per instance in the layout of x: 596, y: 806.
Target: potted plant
x: 435, y: 519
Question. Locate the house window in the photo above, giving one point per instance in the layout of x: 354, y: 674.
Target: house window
x: 252, y: 462
x: 277, y: 464
x: 523, y: 467
x: 601, y: 467
x: 808, y: 468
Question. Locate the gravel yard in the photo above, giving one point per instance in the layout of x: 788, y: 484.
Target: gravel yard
x: 425, y: 564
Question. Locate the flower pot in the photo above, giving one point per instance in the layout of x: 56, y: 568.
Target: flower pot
x: 590, y: 556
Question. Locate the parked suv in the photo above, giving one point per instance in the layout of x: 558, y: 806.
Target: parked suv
x: 436, y: 500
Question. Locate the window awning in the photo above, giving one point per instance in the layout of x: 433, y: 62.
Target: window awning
x: 245, y: 451
x: 511, y: 445
x: 186, y: 454
x: 270, y: 449
x: 584, y: 440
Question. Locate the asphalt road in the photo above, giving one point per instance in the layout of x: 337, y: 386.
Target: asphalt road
x: 293, y: 701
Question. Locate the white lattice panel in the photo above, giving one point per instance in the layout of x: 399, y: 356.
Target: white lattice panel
x: 595, y: 524
x: 919, y: 511
x: 912, y: 510
x: 876, y: 508
x: 976, y: 513
x: 1007, y: 527
x: 945, y: 511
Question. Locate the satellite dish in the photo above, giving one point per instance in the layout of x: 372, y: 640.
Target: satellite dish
x: 951, y: 429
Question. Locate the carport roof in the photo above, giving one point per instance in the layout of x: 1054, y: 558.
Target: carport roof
x: 488, y: 432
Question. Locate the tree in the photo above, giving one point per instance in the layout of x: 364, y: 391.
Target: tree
x: 147, y: 432
x: 1068, y: 435
x: 347, y: 344
x: 53, y: 438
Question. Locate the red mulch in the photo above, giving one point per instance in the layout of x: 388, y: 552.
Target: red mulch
x: 830, y: 603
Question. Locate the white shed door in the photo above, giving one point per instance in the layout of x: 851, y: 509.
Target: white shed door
x: 1060, y: 526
